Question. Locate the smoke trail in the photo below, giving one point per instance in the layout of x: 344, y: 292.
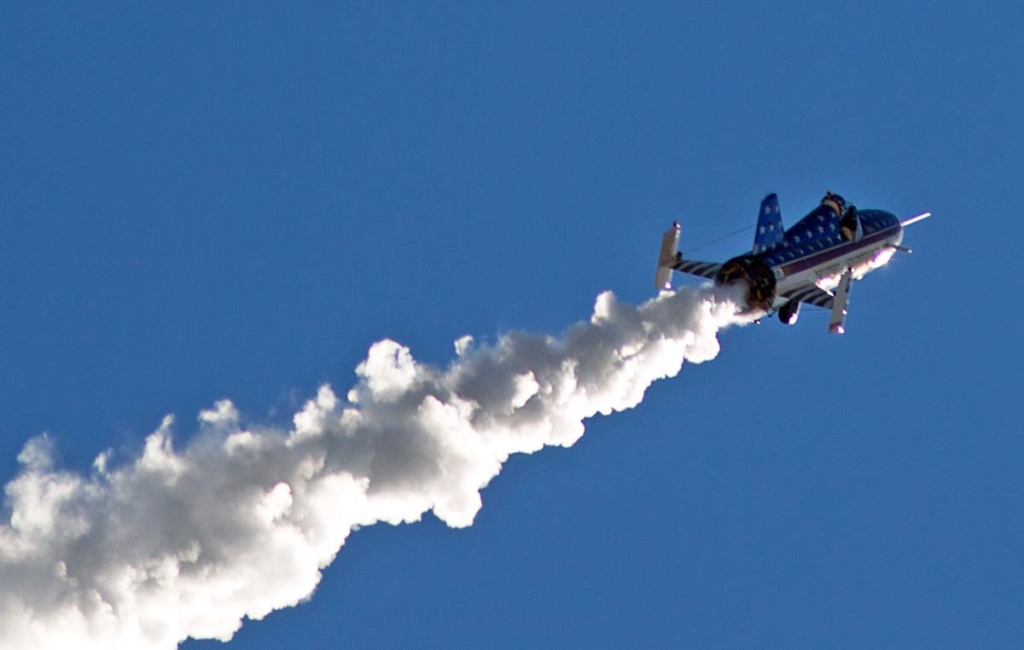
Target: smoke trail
x: 185, y: 543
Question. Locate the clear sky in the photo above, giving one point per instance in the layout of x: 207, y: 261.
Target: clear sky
x: 236, y: 200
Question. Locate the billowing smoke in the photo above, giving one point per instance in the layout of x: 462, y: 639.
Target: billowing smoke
x: 184, y: 543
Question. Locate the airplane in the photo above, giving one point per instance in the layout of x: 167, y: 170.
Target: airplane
x: 814, y: 262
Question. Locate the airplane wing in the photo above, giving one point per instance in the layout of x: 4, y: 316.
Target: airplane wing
x: 701, y: 269
x: 811, y: 295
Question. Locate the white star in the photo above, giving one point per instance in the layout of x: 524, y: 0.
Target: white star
x: 821, y: 230
x: 761, y: 230
x: 796, y: 238
x: 767, y: 209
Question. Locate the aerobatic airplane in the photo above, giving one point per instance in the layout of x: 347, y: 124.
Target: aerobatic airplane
x: 814, y: 262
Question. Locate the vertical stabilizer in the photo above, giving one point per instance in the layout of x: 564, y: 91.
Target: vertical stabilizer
x: 769, y: 225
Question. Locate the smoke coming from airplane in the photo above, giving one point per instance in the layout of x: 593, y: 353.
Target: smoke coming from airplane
x: 145, y: 553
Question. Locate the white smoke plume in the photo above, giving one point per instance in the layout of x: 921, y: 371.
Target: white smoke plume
x: 186, y: 543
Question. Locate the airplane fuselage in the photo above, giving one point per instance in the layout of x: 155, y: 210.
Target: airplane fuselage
x: 815, y: 262
x: 816, y: 251
x: 825, y: 258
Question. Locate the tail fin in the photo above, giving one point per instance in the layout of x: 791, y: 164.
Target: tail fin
x: 769, y: 225
x: 669, y: 246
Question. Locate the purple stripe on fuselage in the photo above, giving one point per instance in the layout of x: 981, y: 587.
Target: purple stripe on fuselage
x: 843, y: 250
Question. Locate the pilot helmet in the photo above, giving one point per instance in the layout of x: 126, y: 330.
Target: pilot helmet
x: 834, y: 201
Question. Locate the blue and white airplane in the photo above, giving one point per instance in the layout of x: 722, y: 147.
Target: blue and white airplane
x: 814, y: 262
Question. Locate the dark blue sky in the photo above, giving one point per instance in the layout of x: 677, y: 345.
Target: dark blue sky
x: 205, y: 201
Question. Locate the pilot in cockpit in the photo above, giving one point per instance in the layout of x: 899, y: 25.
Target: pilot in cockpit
x: 836, y: 202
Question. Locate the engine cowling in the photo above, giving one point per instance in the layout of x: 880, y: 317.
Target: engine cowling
x: 758, y: 276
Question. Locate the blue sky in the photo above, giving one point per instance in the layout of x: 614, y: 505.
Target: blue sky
x: 206, y: 201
